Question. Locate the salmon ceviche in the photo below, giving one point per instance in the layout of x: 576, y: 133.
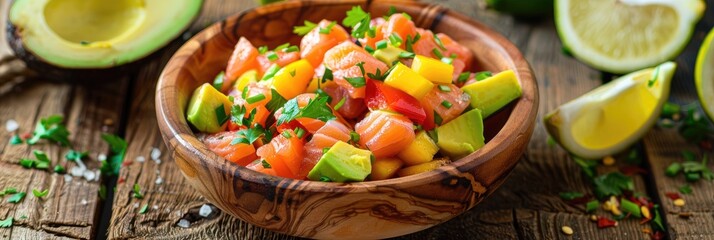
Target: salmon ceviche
x: 385, y: 99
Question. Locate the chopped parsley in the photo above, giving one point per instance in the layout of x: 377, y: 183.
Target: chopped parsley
x: 16, y: 140
x: 17, y: 197
x: 51, y: 129
x: 238, y: 115
x: 303, y: 30
x: 327, y: 75
x: 6, y: 223
x: 255, y: 99
x: 73, y: 155
x: 327, y: 29
x: 356, y: 81
x: 117, y: 150
x: 276, y: 101
x: 249, y: 136
x: 340, y: 103
x: 265, y: 164
x: 612, y: 184
x: 218, y: 81
x: 358, y: 20
x: 27, y: 163
x: 221, y: 115
x: 144, y: 209
x: 137, y: 192
x: 39, y: 193
x: 316, y: 109
x: 686, y: 189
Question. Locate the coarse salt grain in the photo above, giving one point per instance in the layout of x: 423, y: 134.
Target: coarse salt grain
x: 159, y: 180
x: 205, y: 210
x: 140, y: 159
x: 155, y: 154
x: 89, y: 175
x: 101, y: 157
x: 84, y: 201
x: 183, y: 223
x: 11, y: 125
x: 67, y: 178
x: 77, y: 171
x: 155, y: 207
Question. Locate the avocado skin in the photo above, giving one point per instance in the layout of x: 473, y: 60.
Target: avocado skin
x: 55, y: 73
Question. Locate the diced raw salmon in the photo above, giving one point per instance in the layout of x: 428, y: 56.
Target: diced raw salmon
x: 427, y: 43
x: 343, y: 59
x: 284, y: 155
x: 351, y: 108
x: 220, y: 143
x: 324, y: 137
x: 284, y: 58
x: 434, y: 101
x: 244, y: 58
x: 385, y: 133
x: 258, y: 167
x: 314, y: 45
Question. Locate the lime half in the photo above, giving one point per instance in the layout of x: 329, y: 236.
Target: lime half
x: 613, y: 116
x: 621, y: 36
x: 704, y: 75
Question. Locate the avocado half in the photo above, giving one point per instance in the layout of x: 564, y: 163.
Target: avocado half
x: 88, y: 38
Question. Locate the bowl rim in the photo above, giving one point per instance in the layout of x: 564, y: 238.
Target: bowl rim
x: 517, y: 124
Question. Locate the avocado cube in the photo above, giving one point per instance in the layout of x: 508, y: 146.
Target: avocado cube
x: 461, y: 136
x: 204, y: 110
x: 435, y: 70
x: 342, y: 163
x: 492, y: 93
x: 407, y: 80
x: 388, y: 55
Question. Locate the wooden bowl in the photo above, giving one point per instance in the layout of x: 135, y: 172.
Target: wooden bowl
x: 364, y: 210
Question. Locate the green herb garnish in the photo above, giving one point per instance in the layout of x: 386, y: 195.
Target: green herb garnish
x: 316, y: 109
x: 446, y: 104
x: 255, y: 99
x: 463, y: 77
x: 685, y: 189
x: 265, y: 164
x: 287, y: 134
x: 356, y: 82
x: 17, y: 197
x: 7, y: 223
x: 438, y: 42
x: 270, y: 73
x: 358, y: 20
x: 144, y: 209
x: 437, y: 118
x: 51, y: 129
x: 327, y: 29
x: 291, y: 49
x: 221, y: 115
x: 303, y: 30
x: 16, y: 140
x: 218, y: 80
x: 137, y: 192
x: 59, y: 169
x: 272, y: 56
x: 117, y: 149
x: 395, y: 40
x: 340, y: 103
x: 444, y: 88
x: 39, y: 193
x: 437, y: 53
x: 612, y: 184
x: 483, y: 75
x: 591, y: 206
x: 262, y: 49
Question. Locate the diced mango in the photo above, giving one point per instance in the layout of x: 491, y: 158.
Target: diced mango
x: 491, y: 94
x: 247, y: 77
x: 421, y: 150
x: 434, y: 70
x: 424, y: 167
x: 388, y: 55
x: 292, y: 80
x: 204, y: 108
x: 385, y: 168
x: 407, y: 80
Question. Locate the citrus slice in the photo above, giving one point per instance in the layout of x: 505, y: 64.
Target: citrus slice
x: 622, y: 36
x: 611, y: 117
x: 704, y: 75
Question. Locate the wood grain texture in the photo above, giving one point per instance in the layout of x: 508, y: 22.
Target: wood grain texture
x: 390, y: 208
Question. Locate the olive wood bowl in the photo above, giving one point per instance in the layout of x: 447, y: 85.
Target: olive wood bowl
x: 364, y: 210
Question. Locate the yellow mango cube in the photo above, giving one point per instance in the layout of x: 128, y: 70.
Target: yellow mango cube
x: 409, y: 81
x: 421, y: 150
x: 424, y: 167
x: 293, y: 79
x: 385, y: 168
x: 434, y: 70
x: 245, y: 79
x: 204, y: 109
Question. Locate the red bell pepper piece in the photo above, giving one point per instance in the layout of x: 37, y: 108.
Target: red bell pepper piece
x: 603, y: 222
x: 381, y: 96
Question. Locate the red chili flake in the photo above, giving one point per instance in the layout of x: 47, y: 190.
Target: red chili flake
x: 126, y: 163
x: 121, y: 180
x: 645, y: 220
x: 26, y: 136
x: 658, y: 235
x: 603, y: 222
x: 632, y: 170
x: 706, y: 144
x: 673, y: 195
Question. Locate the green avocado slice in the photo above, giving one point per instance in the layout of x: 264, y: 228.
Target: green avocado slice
x: 97, y: 34
x: 342, y: 163
x: 209, y: 110
x: 461, y: 136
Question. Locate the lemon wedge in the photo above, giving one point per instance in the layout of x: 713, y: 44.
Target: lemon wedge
x: 704, y: 75
x: 613, y: 116
x: 621, y: 36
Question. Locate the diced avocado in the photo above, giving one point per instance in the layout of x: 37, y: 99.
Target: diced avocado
x: 342, y: 163
x: 204, y: 111
x: 388, y: 55
x: 461, y: 136
x: 435, y: 70
x: 421, y: 150
x: 492, y: 93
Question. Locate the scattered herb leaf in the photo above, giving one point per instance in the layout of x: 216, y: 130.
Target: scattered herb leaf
x: 51, y: 129
x: 303, y: 30
x: 39, y: 193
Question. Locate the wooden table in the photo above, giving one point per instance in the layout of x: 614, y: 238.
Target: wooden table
x: 527, y: 206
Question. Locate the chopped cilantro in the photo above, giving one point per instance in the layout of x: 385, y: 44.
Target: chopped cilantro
x: 612, y: 184
x: 144, y: 209
x: 51, y: 128
x: 238, y: 115
x: 361, y: 67
x: 17, y: 197
x: 356, y: 81
x: 137, y: 192
x: 327, y: 75
x: 276, y: 101
x: 358, y: 20
x: 686, y: 189
x: 218, y: 80
x: 327, y: 29
x: 303, y: 30
x: 39, y: 193
x: 265, y: 164
x: 7, y: 223
x: 27, y: 163
x: 249, y: 136
x: 15, y: 140
x: 117, y: 148
x: 340, y: 103
x: 41, y: 156
x: 316, y: 109
x: 73, y: 155
x: 221, y: 115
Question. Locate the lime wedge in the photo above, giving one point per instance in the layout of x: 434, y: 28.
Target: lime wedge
x: 622, y: 36
x: 613, y: 116
x: 704, y: 75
